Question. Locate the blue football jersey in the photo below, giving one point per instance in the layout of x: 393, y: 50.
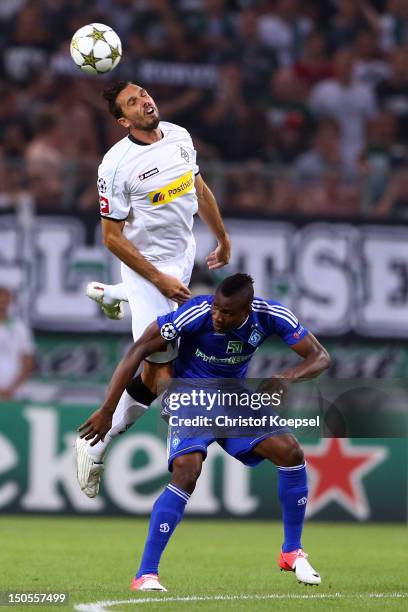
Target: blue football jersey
x: 205, y: 353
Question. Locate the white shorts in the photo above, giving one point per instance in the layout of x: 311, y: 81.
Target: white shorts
x: 147, y: 303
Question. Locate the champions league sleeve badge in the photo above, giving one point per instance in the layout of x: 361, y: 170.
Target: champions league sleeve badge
x: 102, y: 185
x: 168, y: 331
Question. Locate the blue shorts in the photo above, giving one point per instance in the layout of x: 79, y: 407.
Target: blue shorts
x: 240, y: 448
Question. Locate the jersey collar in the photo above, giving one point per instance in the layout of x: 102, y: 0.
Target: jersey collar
x: 140, y: 142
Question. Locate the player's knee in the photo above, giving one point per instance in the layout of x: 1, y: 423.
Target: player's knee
x: 295, y: 455
x: 186, y: 470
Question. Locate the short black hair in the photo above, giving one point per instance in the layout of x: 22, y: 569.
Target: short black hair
x: 237, y: 283
x: 111, y: 93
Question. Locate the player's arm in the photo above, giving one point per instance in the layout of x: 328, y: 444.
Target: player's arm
x: 100, y: 422
x: 209, y: 213
x: 119, y: 245
x: 315, y: 359
x: 25, y: 371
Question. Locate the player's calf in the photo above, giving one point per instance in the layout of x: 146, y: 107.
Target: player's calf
x: 89, y: 459
x: 186, y: 471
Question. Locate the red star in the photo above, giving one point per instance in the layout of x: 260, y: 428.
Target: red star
x: 336, y: 469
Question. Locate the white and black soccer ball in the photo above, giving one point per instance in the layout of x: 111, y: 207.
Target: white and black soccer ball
x: 96, y: 48
x: 168, y: 331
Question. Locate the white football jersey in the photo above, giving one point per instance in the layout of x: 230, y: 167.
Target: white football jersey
x: 15, y: 341
x: 151, y: 187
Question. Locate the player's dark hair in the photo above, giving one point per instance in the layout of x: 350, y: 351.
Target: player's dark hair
x: 239, y: 283
x: 111, y: 93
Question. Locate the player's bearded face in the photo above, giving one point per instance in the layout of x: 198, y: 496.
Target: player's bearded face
x: 146, y: 117
x: 138, y: 108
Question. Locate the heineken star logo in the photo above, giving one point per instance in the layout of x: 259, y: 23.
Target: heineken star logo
x: 97, y: 35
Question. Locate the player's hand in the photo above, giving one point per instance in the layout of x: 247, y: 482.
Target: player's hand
x: 274, y: 385
x: 173, y: 288
x: 220, y: 256
x: 96, y: 427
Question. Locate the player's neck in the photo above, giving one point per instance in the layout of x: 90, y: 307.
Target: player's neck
x: 145, y: 137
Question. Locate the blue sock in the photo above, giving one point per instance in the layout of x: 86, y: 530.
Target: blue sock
x: 166, y: 514
x: 293, y: 497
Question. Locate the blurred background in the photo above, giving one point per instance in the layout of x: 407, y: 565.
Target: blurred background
x: 299, y: 114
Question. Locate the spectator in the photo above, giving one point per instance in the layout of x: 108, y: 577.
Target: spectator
x: 346, y: 24
x: 391, y: 26
x: 26, y: 52
x: 350, y: 104
x: 249, y: 189
x: 395, y: 200
x: 382, y: 155
x: 289, y: 121
x: 313, y: 65
x: 121, y: 14
x: 215, y: 31
x: 257, y: 60
x: 332, y: 197
x: 393, y: 93
x: 229, y: 122
x: 284, y: 29
x: 45, y: 160
x: 369, y: 66
x: 16, y: 350
x: 323, y: 157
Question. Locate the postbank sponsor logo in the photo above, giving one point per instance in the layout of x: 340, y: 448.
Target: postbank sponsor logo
x: 173, y: 190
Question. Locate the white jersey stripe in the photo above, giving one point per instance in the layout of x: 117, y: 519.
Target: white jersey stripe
x: 189, y: 311
x: 286, y: 312
x: 193, y: 317
x: 275, y: 308
x: 265, y: 304
x: 275, y: 314
x: 177, y: 491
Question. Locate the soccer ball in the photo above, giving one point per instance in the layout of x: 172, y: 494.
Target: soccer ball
x: 96, y: 48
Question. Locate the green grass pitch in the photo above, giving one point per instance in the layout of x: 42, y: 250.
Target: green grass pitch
x: 213, y: 565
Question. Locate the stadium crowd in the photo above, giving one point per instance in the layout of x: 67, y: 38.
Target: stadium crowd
x: 295, y: 107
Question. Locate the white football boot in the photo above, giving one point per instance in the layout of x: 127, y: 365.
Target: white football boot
x: 296, y: 561
x: 88, y: 472
x: 147, y: 582
x: 95, y: 291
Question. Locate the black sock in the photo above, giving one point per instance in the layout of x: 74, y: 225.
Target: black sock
x: 138, y: 390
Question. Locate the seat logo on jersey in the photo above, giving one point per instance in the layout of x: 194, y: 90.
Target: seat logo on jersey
x: 234, y: 346
x: 255, y: 338
x: 104, y: 205
x: 173, y: 190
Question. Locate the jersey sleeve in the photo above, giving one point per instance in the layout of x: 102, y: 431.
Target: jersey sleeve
x: 114, y: 201
x: 185, y: 320
x: 285, y: 324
